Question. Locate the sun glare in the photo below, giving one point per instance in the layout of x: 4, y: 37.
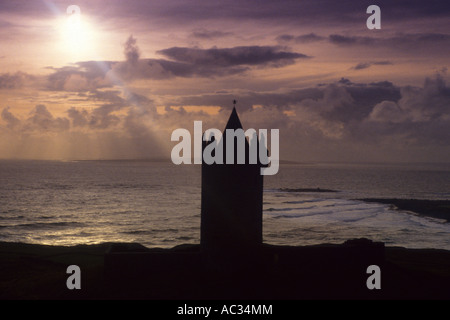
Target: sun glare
x: 77, y: 37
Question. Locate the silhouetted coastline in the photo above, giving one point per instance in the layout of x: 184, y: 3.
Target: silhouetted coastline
x: 307, y: 190
x: 31, y: 271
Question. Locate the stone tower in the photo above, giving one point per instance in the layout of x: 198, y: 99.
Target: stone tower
x: 232, y: 197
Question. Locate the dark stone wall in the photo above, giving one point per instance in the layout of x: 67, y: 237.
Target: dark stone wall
x: 232, y: 197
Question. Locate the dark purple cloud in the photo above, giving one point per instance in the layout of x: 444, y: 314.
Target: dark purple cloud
x: 230, y: 57
x: 311, y: 12
x: 304, y: 38
x: 182, y: 14
x: 353, y: 40
x: 349, y: 111
x: 398, y: 41
x: 205, y: 34
x: 213, y: 62
x: 365, y: 65
x: 180, y: 62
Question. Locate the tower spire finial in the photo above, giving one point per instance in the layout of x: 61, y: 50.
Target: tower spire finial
x: 233, y: 121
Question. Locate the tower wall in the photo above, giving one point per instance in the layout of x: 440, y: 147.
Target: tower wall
x: 232, y: 197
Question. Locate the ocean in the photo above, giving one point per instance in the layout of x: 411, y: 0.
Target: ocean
x: 157, y: 204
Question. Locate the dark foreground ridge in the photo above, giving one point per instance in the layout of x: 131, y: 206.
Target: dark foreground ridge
x: 132, y: 271
x: 307, y: 190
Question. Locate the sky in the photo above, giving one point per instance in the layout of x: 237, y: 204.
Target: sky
x: 115, y: 80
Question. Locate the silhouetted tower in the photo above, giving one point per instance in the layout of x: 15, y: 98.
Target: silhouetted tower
x: 232, y: 197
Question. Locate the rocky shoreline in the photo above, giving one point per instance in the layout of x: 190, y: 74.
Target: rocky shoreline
x: 439, y: 209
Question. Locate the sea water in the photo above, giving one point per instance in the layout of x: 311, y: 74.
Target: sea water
x: 157, y: 204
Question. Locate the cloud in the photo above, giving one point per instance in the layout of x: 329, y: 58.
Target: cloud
x: 426, y: 105
x: 214, y: 62
x: 418, y: 120
x: 388, y: 122
x: 305, y: 38
x: 246, y: 100
x: 341, y: 120
x: 112, y: 114
x: 127, y: 128
x: 365, y: 96
x: 140, y: 125
x: 9, y: 118
x: 229, y: 57
x: 400, y: 41
x: 348, y: 113
x: 42, y: 120
x: 293, y: 13
x: 387, y: 111
x: 78, y: 117
x: 15, y: 80
x: 131, y: 50
x: 352, y: 40
x: 103, y: 117
x: 365, y: 65
x: 205, y: 34
x: 91, y: 76
x: 83, y: 76
x: 362, y: 65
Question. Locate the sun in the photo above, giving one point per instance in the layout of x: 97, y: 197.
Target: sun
x: 77, y: 37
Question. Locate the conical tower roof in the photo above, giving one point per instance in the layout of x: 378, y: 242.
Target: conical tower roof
x: 234, y: 122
